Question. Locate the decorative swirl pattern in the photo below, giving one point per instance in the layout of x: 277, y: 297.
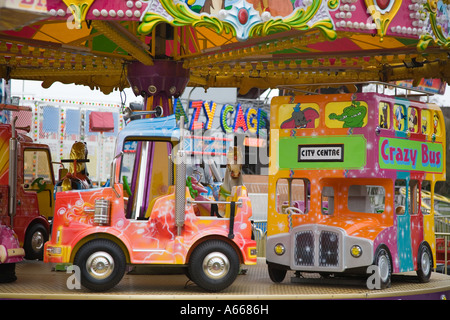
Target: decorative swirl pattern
x: 441, y: 38
x: 299, y: 19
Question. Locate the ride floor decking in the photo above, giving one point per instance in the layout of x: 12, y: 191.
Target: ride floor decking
x: 37, y: 280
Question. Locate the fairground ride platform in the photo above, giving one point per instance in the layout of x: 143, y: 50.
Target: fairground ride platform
x: 37, y: 280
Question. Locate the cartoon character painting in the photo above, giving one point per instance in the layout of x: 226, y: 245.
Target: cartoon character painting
x: 301, y: 118
x: 424, y: 125
x: 384, y: 117
x: 435, y: 123
x: 399, y: 116
x: 353, y: 116
x: 412, y: 120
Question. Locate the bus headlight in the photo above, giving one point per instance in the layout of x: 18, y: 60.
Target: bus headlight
x: 279, y: 249
x: 356, y: 251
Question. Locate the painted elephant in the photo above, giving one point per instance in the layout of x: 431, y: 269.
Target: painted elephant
x: 301, y: 118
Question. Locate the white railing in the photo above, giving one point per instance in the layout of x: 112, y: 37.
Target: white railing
x: 442, y: 224
x: 442, y: 232
x: 442, y: 249
x: 260, y: 234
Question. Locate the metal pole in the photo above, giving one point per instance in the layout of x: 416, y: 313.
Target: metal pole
x: 180, y: 187
x: 12, y: 178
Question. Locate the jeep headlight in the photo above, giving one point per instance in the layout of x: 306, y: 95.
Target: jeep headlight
x: 54, y: 250
x: 102, y: 212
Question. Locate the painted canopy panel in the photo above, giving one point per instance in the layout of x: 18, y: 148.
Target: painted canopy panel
x: 226, y: 42
x: 250, y: 18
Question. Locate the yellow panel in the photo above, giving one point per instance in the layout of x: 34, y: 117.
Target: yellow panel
x: 160, y: 174
x: 208, y: 38
x: 365, y: 41
x: 59, y: 32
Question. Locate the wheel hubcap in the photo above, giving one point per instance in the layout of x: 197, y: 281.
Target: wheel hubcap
x: 425, y: 263
x: 383, y: 264
x: 100, y: 265
x: 216, y: 265
x: 37, y: 241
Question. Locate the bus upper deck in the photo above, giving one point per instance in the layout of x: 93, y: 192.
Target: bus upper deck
x: 357, y: 135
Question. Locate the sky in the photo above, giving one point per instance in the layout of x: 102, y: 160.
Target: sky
x: 84, y: 93
x: 68, y: 91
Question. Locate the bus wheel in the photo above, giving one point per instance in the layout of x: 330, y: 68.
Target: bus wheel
x: 275, y: 274
x: 214, y: 265
x: 424, y: 263
x: 34, y: 242
x: 102, y: 264
x: 383, y: 261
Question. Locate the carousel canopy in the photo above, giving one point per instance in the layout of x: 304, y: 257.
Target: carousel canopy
x: 225, y: 43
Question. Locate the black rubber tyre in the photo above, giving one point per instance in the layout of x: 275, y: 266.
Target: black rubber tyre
x: 102, y: 264
x: 383, y: 261
x: 35, y: 239
x: 275, y: 274
x: 424, y: 263
x: 213, y: 265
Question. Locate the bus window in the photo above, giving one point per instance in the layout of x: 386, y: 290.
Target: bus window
x: 384, y: 115
x: 366, y: 199
x: 328, y: 200
x: 413, y: 120
x: 425, y: 201
x: 426, y: 122
x: 282, y: 195
x: 293, y: 193
x: 399, y: 117
x: 414, y: 197
x: 400, y: 196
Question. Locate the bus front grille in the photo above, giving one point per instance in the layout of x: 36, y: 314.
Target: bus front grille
x: 319, y: 249
x: 304, y: 248
x: 328, y: 249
